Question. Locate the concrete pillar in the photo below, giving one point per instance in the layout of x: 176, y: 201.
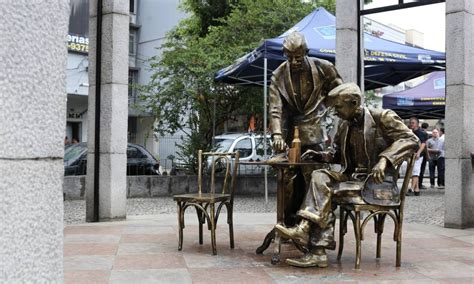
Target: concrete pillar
x: 33, y: 60
x: 114, y: 110
x: 459, y: 194
x: 346, y: 40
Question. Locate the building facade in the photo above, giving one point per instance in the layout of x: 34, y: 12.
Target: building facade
x: 149, y: 22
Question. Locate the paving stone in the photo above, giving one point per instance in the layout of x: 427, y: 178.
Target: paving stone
x: 88, y: 262
x: 156, y: 261
x: 90, y: 249
x: 96, y: 239
x: 148, y: 238
x: 86, y: 276
x: 445, y: 269
x: 148, y: 230
x: 230, y: 275
x: 179, y: 275
x: 145, y: 248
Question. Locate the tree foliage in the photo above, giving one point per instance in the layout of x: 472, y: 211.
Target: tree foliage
x: 207, y: 13
x: 182, y: 93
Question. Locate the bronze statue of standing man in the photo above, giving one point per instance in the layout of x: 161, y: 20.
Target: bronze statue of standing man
x: 298, y: 89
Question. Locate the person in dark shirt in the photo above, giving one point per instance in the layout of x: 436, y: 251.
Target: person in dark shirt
x: 423, y: 136
x: 425, y: 155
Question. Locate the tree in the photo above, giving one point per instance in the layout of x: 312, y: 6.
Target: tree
x: 207, y: 13
x: 370, y: 99
x: 182, y: 92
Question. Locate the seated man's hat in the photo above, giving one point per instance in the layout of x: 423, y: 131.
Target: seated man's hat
x: 345, y: 92
x: 345, y: 89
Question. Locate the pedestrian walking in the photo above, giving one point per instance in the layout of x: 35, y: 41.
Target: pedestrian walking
x: 424, y: 128
x: 434, y: 149
x: 415, y: 127
x: 441, y: 160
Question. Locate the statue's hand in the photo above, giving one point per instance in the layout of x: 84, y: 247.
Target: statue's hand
x: 311, y: 155
x: 279, y: 144
x: 378, y: 170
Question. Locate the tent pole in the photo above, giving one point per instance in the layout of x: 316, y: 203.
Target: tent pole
x: 265, y: 125
x: 214, y: 125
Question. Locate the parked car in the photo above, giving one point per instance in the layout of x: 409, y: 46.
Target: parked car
x: 139, y: 160
x: 250, y: 146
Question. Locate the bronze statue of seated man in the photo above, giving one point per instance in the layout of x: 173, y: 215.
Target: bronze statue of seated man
x: 368, y: 141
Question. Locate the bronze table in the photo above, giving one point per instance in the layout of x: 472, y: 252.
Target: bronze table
x: 273, y: 235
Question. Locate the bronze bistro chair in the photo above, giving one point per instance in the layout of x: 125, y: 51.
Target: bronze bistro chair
x: 378, y: 213
x: 222, y: 168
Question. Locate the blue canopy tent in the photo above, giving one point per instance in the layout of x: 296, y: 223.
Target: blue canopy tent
x: 386, y: 62
x: 426, y: 100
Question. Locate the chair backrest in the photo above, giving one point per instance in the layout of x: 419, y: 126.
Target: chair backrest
x: 410, y: 159
x: 214, y: 164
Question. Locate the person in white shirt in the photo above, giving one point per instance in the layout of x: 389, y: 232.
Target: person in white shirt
x: 436, y: 154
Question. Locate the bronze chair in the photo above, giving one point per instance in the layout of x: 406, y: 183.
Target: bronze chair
x: 220, y: 164
x: 378, y: 213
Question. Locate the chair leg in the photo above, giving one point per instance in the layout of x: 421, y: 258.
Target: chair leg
x: 230, y: 221
x: 379, y: 230
x: 213, y: 229
x: 342, y: 221
x: 200, y: 219
x: 180, y: 225
x: 357, y: 233
x: 399, y: 242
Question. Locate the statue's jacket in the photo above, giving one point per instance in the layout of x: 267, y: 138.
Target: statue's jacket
x: 385, y: 135
x: 287, y: 109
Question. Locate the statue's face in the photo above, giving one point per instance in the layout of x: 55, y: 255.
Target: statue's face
x: 345, y: 109
x: 296, y: 58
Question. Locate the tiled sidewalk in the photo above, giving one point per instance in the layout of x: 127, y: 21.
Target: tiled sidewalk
x: 144, y: 250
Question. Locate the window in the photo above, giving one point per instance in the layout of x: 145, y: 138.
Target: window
x: 244, y: 146
x: 259, y: 147
x: 134, y: 153
x: 132, y: 129
x: 132, y: 7
x: 222, y: 145
x: 132, y: 93
x: 132, y: 43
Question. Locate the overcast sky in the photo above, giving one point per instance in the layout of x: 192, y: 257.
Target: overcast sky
x: 429, y: 19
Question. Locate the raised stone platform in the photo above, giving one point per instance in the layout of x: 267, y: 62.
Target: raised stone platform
x: 157, y: 186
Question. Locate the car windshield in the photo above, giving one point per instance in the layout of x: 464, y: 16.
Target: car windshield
x: 74, y: 151
x: 222, y: 145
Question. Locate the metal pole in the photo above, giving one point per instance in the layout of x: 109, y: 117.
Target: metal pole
x: 213, y: 124
x: 97, y: 111
x: 359, y: 59
x: 265, y: 125
x: 360, y: 49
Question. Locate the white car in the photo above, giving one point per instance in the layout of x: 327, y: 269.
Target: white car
x: 249, y: 145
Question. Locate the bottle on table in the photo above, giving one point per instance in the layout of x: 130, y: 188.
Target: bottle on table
x: 294, y: 153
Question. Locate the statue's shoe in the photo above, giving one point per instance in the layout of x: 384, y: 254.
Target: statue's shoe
x: 298, y: 233
x: 309, y: 260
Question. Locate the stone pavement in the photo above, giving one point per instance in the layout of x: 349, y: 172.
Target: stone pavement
x: 143, y: 249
